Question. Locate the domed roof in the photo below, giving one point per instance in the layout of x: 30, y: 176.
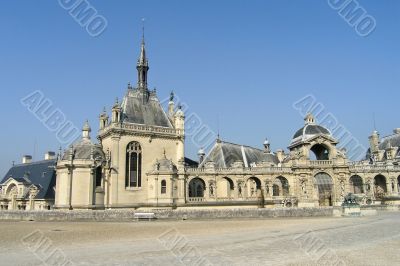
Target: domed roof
x: 84, y: 149
x: 310, y: 130
x: 165, y: 165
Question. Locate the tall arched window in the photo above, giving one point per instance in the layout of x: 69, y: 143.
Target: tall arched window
x: 163, y: 186
x: 133, y: 175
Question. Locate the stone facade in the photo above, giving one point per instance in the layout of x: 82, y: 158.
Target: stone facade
x: 140, y: 162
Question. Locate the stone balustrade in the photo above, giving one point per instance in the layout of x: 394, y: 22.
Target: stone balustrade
x: 142, y: 128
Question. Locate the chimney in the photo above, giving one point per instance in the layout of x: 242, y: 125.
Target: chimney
x: 50, y: 155
x: 27, y: 159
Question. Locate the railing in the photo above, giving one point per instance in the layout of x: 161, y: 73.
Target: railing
x: 240, y: 170
x: 354, y: 167
x: 142, y: 128
x: 321, y: 163
x: 196, y: 199
x: 373, y: 168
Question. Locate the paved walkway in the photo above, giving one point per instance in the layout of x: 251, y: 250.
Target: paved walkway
x: 312, y: 241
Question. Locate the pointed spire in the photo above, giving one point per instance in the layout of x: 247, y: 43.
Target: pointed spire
x: 142, y: 58
x: 142, y: 66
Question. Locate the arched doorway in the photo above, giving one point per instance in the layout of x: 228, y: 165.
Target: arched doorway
x: 380, y: 186
x: 280, y: 187
x: 356, y: 184
x: 319, y: 152
x: 196, y: 188
x: 12, y: 193
x: 225, y: 187
x: 324, y: 184
x: 253, y: 187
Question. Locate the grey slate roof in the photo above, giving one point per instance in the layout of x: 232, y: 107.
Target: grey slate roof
x: 224, y: 154
x: 82, y: 150
x: 191, y: 163
x: 149, y: 112
x: 42, y: 174
x: 394, y: 141
x: 309, y: 131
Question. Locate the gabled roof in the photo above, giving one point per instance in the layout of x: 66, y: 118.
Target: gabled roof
x: 42, y: 174
x: 146, y: 112
x: 224, y: 154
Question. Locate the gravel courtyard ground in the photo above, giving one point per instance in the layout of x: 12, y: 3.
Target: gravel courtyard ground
x: 309, y: 241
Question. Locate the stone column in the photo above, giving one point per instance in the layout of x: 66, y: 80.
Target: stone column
x: 114, y: 174
x: 91, y: 188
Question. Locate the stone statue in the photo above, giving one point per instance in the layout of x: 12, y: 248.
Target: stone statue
x: 303, y: 187
x: 211, y: 189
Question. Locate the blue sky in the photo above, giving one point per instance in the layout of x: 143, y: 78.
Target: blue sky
x: 242, y: 63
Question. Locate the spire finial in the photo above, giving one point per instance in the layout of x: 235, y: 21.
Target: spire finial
x: 309, y: 119
x: 218, y: 132
x: 143, y: 20
x: 86, y: 130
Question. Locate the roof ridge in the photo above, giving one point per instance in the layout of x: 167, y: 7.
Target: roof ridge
x: 246, y: 146
x: 388, y: 136
x: 34, y: 163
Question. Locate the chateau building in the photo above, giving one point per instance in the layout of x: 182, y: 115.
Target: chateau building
x: 139, y: 162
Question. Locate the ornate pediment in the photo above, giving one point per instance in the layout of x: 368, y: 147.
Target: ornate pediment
x: 321, y: 139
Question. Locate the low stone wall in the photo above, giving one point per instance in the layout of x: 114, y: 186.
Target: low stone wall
x: 128, y: 215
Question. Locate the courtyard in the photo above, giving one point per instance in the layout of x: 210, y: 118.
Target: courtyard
x: 373, y: 240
